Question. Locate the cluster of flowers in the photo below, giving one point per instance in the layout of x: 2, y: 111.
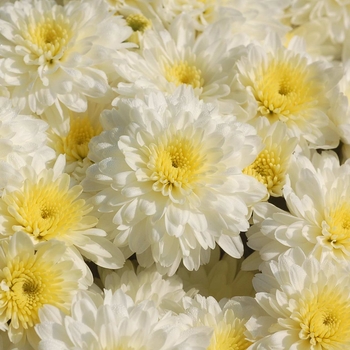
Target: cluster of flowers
x: 174, y: 174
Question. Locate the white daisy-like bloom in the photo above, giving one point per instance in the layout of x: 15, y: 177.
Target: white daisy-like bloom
x: 177, y: 57
x: 22, y: 137
x: 170, y: 181
x: 31, y: 276
x: 317, y: 197
x: 284, y: 84
x: 271, y: 165
x: 220, y: 278
x: 52, y: 54
x: 307, y: 305
x: 42, y: 203
x: 337, y: 13
x: 226, y: 318
x: 115, y: 322
x: 146, y: 284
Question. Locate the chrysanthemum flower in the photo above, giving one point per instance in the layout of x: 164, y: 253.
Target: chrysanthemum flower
x: 146, y: 284
x: 337, y: 13
x: 46, y: 207
x: 115, y: 322
x: 72, y: 138
x: 31, y: 276
x: 226, y: 318
x: 52, y: 54
x: 317, y: 196
x: 307, y: 303
x: 206, y: 12
x: 271, y: 165
x: 177, y: 57
x: 21, y: 138
x: 170, y: 181
x: 286, y: 85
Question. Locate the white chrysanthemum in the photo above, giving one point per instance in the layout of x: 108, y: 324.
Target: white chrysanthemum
x: 139, y: 16
x: 271, y: 165
x: 21, y: 138
x: 220, y: 278
x: 177, y: 57
x: 307, y: 303
x: 317, y: 39
x: 317, y: 196
x: 146, y: 284
x: 285, y: 85
x: 226, y: 318
x: 32, y: 276
x: 52, y: 54
x: 46, y: 207
x: 169, y: 175
x: 253, y: 13
x: 337, y: 13
x: 73, y: 139
x: 115, y: 322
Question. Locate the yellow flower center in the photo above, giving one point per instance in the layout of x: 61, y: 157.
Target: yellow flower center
x: 138, y: 22
x: 176, y: 162
x: 268, y: 169
x: 282, y: 89
x: 48, y: 209
x: 339, y: 225
x: 76, y: 144
x: 49, y: 37
x: 325, y: 320
x: 229, y: 336
x: 183, y: 73
x: 26, y: 286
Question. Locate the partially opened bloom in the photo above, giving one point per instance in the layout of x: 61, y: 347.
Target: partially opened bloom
x: 52, y: 54
x: 115, y: 322
x: 31, y: 276
x: 307, y: 305
x: 170, y: 181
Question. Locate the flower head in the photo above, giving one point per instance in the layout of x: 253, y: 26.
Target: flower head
x: 32, y: 276
x: 59, y: 51
x: 45, y: 206
x: 271, y: 165
x: 286, y: 85
x: 171, y: 179
x: 115, y: 322
x: 307, y: 302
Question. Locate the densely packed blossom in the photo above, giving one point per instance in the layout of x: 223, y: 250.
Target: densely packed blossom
x: 163, y: 168
x: 174, y: 174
